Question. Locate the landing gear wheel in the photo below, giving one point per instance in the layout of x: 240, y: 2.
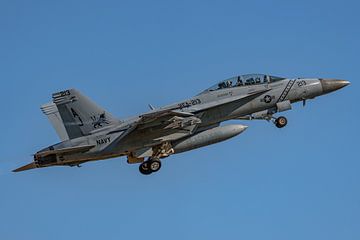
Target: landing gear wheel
x: 281, y: 122
x: 144, y: 168
x: 154, y: 165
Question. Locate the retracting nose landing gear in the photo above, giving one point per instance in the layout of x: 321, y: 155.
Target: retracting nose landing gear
x: 150, y: 166
x: 268, y: 115
x: 280, y: 122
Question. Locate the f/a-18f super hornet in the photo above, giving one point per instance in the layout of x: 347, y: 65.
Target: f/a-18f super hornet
x: 90, y: 133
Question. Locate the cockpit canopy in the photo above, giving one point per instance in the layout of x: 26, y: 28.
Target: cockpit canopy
x: 244, y: 80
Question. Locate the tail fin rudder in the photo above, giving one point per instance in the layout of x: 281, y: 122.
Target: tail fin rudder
x: 79, y: 114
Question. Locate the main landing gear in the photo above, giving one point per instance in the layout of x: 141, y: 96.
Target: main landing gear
x: 150, y: 166
x: 153, y: 163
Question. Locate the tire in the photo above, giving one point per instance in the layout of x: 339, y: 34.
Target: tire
x: 144, y: 168
x: 154, y: 165
x: 281, y: 122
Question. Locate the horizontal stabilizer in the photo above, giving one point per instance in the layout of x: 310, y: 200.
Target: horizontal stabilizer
x: 26, y: 167
x: 70, y: 150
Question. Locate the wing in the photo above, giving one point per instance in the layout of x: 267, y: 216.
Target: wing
x: 166, y: 125
x: 172, y: 123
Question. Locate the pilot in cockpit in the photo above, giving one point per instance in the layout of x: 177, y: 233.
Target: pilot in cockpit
x: 266, y: 79
x: 222, y: 85
x: 228, y: 84
x: 239, y: 82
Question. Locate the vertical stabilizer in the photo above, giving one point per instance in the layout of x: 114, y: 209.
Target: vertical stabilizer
x: 74, y: 115
x: 52, y: 112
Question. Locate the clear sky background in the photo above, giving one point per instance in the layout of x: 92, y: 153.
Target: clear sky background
x: 300, y: 182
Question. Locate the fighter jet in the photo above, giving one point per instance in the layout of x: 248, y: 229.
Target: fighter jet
x: 90, y: 133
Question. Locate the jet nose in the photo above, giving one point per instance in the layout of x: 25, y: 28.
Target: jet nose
x: 330, y: 85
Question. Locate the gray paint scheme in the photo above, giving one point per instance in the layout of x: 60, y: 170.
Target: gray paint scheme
x: 90, y: 133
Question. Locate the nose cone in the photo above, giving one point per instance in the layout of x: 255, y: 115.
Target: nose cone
x: 330, y: 85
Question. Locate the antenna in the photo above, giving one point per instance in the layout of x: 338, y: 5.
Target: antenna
x: 151, y: 107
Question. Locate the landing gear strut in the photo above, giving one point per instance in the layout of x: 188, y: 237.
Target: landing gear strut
x: 280, y: 122
x: 150, y: 166
x: 153, y: 163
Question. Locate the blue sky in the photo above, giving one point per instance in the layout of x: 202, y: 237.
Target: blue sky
x: 300, y: 182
